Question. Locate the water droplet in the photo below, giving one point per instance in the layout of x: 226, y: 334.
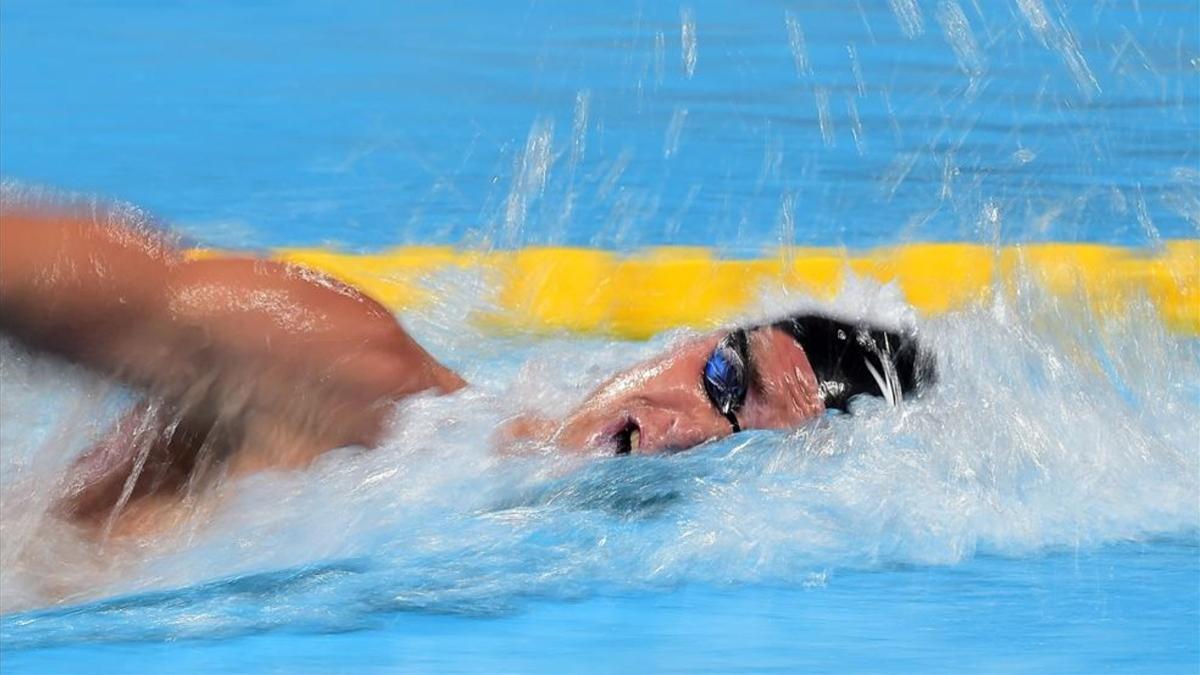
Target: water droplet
x: 687, y: 39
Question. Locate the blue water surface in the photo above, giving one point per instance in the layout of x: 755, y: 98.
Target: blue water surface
x: 360, y: 126
x: 1111, y: 610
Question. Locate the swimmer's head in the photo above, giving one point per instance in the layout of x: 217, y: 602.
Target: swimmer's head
x: 772, y: 376
x: 850, y: 359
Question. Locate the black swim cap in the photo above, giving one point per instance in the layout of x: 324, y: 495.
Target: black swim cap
x: 860, y: 358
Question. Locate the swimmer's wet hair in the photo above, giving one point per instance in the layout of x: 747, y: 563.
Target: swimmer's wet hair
x: 860, y: 358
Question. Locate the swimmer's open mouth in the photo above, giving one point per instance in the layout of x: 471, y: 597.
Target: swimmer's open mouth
x: 628, y: 438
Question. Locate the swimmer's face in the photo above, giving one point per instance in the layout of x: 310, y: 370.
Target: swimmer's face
x: 664, y: 405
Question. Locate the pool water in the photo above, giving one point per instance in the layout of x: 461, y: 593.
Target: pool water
x: 306, y: 123
x: 1038, y: 511
x: 989, y: 614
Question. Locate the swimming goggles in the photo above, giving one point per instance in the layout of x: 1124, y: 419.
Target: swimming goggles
x: 726, y: 375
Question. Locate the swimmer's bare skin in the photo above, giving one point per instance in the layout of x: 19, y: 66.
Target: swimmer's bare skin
x: 245, y: 364
x: 248, y: 365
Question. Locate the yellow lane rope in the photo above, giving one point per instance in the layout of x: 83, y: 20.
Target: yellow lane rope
x: 546, y: 289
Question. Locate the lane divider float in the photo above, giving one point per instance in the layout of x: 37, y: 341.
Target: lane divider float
x: 637, y: 295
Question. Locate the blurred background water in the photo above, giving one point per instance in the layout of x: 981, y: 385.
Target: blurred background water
x: 1039, y: 511
x: 615, y: 124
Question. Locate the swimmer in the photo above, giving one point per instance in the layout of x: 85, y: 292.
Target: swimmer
x: 244, y: 365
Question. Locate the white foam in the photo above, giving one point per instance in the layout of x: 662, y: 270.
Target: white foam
x: 1047, y: 429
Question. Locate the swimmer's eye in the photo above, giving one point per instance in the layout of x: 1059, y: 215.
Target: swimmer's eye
x: 726, y: 374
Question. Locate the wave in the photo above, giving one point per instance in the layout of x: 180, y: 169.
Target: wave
x: 1049, y: 429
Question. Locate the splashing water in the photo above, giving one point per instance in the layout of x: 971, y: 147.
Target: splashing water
x: 1050, y: 429
x: 824, y: 118
x: 529, y: 177
x: 796, y: 43
x: 674, y: 130
x: 687, y: 40
x: 1056, y: 34
x: 908, y: 15
x: 957, y: 29
x: 1044, y: 432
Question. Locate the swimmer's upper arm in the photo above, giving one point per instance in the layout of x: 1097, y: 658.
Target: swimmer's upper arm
x: 79, y: 288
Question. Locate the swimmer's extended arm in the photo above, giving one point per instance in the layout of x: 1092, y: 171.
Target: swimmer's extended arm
x: 280, y: 341
x: 250, y: 361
